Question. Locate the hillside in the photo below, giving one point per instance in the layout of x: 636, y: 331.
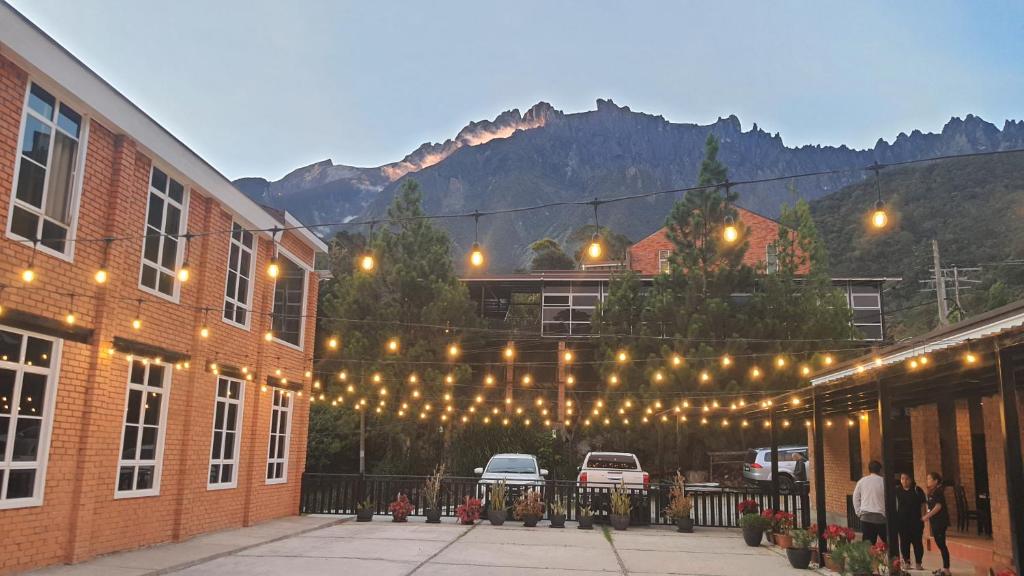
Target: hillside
x: 974, y: 207
x: 546, y: 155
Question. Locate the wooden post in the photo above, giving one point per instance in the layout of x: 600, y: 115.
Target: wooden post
x: 1010, y: 427
x: 562, y: 373
x: 819, y: 473
x: 510, y: 380
x: 774, y: 437
x: 888, y: 464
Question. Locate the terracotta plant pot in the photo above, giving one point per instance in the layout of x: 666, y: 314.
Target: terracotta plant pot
x: 784, y: 541
x: 364, y: 515
x: 832, y: 564
x: 684, y: 525
x: 620, y: 521
x: 530, y: 521
x: 497, y: 517
x: 586, y: 523
x: 433, y: 515
x: 799, y: 558
x: 752, y: 535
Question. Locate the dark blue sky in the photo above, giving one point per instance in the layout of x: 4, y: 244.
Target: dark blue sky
x: 259, y: 88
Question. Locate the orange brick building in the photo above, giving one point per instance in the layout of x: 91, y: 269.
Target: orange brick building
x: 149, y: 407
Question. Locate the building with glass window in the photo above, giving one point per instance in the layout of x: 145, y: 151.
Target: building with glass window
x: 154, y: 378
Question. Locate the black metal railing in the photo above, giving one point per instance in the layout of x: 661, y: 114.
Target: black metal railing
x: 343, y: 493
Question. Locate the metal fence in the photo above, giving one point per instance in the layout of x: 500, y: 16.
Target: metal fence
x: 342, y: 493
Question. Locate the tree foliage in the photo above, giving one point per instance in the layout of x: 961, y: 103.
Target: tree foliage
x: 548, y: 255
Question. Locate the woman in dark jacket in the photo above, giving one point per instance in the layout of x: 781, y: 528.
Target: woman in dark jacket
x: 909, y: 500
x: 938, y: 518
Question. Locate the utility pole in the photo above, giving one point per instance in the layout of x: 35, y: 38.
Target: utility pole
x: 510, y: 369
x: 561, y: 376
x: 940, y: 285
x: 362, y: 441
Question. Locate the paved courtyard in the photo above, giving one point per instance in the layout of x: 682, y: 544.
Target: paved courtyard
x: 384, y: 548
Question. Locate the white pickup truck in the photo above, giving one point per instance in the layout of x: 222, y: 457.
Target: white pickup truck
x: 607, y: 469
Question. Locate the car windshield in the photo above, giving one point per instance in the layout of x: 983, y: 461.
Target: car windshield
x: 612, y: 461
x: 512, y: 466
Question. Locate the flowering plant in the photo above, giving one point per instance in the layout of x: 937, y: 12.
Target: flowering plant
x: 469, y: 511
x: 783, y: 522
x: 748, y: 507
x: 529, y: 504
x: 838, y: 536
x: 1007, y: 572
x: 400, y: 508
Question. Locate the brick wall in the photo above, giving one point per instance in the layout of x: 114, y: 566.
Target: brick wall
x: 838, y: 482
x: 80, y: 517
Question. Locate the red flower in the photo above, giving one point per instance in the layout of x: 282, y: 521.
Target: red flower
x: 748, y: 507
x: 469, y: 511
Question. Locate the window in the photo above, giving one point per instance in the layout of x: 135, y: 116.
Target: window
x: 280, y: 427
x: 568, y: 307
x: 663, y: 260
x: 771, y: 258
x: 227, y: 421
x: 165, y: 221
x: 142, y: 439
x: 47, y: 172
x: 289, y: 302
x: 27, y: 392
x: 238, y: 291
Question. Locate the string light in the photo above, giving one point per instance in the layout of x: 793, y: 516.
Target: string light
x: 184, y: 273
x: 103, y: 273
x: 622, y: 357
x: 780, y: 362
x: 755, y: 373
x: 567, y: 356
x: 527, y: 380
x: 70, y: 318
x: 970, y: 358
x: 613, y: 380
x: 137, y: 321
x: 730, y: 233
x: 594, y: 250
x: 332, y: 343
x: 658, y: 376
x: 510, y: 352
x: 677, y: 360
x: 879, y: 218
x: 476, y: 255
x: 489, y: 380
x: 392, y: 345
x: 413, y: 379
x: 726, y: 361
x: 367, y: 262
x: 705, y: 376
x: 827, y: 360
x: 204, y: 330
x: 29, y: 273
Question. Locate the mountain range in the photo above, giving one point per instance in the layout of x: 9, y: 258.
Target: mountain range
x: 545, y: 155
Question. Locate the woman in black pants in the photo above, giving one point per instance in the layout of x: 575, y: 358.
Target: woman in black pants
x: 938, y: 518
x: 909, y: 500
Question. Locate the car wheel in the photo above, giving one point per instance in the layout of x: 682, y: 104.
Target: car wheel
x: 786, y: 484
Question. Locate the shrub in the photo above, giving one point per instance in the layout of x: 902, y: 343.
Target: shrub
x: 528, y: 504
x: 755, y: 521
x: 432, y: 488
x: 401, y: 507
x: 679, y: 505
x: 499, y: 495
x: 748, y: 507
x: 469, y: 511
x: 620, y: 500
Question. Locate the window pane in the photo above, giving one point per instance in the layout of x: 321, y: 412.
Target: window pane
x: 270, y: 471
x: 173, y: 222
x: 124, y: 478
x: 41, y: 101
x: 232, y: 412
x: 62, y: 171
x: 37, y: 352
x: 159, y: 180
x: 240, y: 315
x: 145, y: 480
x: 229, y: 310
x: 214, y: 473
x: 69, y: 121
x: 24, y: 223
x: 166, y: 283
x: 153, y: 402
x: 218, y: 417
x: 149, y: 277
x: 21, y: 484
x: 33, y: 393
x: 53, y: 235
x: 151, y: 249
x: 36, y: 142
x: 138, y: 372
x: 280, y: 446
x: 134, y: 406
x: 177, y: 192
x: 243, y: 291
x: 229, y: 445
x: 10, y: 346
x: 156, y: 213
x: 26, y: 439
x: 148, y: 449
x: 6, y: 390
x: 5, y: 422
x: 156, y: 376
x: 216, y: 452
x: 225, y: 475
x: 130, y: 443
x: 169, y: 258
x: 30, y: 184
x: 232, y: 284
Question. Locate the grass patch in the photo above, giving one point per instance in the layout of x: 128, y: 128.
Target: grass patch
x: 607, y: 533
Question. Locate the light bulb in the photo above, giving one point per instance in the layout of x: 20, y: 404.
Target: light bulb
x: 332, y: 343
x: 273, y: 269
x: 70, y: 318
x: 780, y: 362
x: 510, y: 352
x: 367, y: 263
x: 183, y: 273
x: 622, y: 356
x: 204, y: 332
x: 677, y: 360
x: 879, y: 219
x: 393, y: 345
x: 453, y: 350
x: 730, y: 233
x: 726, y: 360
x: 268, y: 335
x: 567, y: 356
x: 476, y: 256
x: 137, y: 324
x: 101, y: 276
x: 970, y: 358
x: 28, y: 275
x: 594, y: 250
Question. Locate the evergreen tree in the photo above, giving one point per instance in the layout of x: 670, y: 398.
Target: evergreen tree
x: 548, y: 255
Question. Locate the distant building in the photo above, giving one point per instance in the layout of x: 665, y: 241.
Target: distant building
x: 116, y: 434
x: 569, y: 298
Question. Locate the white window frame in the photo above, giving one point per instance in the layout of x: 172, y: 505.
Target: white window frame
x: 76, y: 184
x: 663, y: 256
x: 771, y: 247
x: 306, y: 270
x: 239, y: 402
x: 252, y: 277
x: 43, y: 451
x: 158, y: 460
x: 280, y: 459
x: 182, y: 229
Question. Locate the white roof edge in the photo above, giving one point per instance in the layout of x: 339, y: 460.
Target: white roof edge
x: 307, y: 234
x: 987, y: 329
x: 31, y: 47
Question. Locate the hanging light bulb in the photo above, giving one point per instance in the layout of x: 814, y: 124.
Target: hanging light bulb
x: 726, y: 361
x: 137, y: 321
x: 101, y: 276
x: 28, y: 275
x: 755, y: 372
x: 367, y: 262
x: 392, y: 345
x: 879, y: 219
x: 332, y: 343
x: 476, y: 255
x: 103, y: 273
x: 69, y: 319
x: 594, y: 249
x: 677, y: 360
x: 622, y: 356
x: 204, y: 332
x: 183, y: 273
x: 705, y: 376
x: 827, y: 360
x: 453, y: 350
x: 730, y: 233
x: 780, y: 362
x: 274, y: 268
x: 510, y: 352
x: 970, y: 358
x: 567, y: 356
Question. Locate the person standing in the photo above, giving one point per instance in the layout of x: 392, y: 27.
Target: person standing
x: 869, y: 503
x: 938, y: 518
x: 799, y: 468
x: 909, y: 502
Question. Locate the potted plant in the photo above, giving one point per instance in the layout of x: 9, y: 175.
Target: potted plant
x: 497, y: 500
x: 751, y: 522
x: 586, y: 519
x: 400, y: 508
x: 858, y: 558
x: 620, y: 506
x: 529, y: 508
x: 432, y: 495
x: 782, y: 523
x: 838, y: 537
x: 556, y: 513
x: 469, y: 511
x: 364, y: 510
x: 680, y: 505
x: 754, y: 526
x: 799, y: 553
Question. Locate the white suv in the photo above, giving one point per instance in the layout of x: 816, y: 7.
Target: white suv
x: 757, y: 467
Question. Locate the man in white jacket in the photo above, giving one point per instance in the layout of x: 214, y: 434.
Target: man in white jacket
x: 869, y: 503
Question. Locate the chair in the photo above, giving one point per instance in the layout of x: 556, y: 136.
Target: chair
x: 964, y: 515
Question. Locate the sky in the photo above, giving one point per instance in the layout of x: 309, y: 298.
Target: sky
x: 260, y: 88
